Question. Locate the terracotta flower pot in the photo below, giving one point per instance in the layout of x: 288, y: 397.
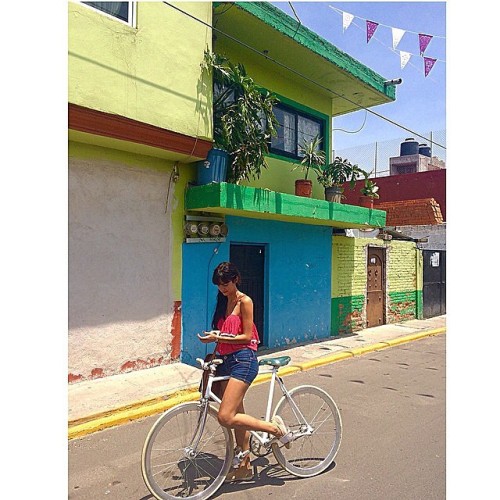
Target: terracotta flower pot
x: 366, y: 201
x: 303, y: 187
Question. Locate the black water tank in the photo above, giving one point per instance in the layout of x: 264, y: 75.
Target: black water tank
x: 409, y: 147
x: 424, y: 150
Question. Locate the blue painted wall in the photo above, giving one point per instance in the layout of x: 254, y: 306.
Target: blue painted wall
x: 297, y: 288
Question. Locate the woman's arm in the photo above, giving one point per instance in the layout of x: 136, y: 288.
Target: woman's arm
x: 246, y: 311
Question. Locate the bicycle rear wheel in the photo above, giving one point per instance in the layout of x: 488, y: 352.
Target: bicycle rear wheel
x: 310, y: 453
x: 171, y: 469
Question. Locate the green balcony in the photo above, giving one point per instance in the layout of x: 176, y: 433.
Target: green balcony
x: 258, y: 203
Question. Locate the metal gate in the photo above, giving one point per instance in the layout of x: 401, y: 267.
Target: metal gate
x: 375, y: 296
x: 249, y: 259
x: 434, y: 293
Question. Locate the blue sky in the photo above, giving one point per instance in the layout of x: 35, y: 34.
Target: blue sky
x: 420, y: 101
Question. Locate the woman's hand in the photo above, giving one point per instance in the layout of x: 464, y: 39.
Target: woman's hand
x: 208, y: 337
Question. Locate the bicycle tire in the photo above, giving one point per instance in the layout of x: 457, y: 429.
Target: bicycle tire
x: 309, y: 455
x: 169, y: 472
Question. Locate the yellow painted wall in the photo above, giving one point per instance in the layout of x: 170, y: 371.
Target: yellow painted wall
x: 150, y: 73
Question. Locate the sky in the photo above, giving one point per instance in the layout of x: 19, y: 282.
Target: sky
x: 420, y: 103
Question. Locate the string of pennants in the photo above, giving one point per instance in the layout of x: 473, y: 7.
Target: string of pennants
x: 397, y: 34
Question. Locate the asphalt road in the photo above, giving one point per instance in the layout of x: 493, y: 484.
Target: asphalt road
x: 392, y: 404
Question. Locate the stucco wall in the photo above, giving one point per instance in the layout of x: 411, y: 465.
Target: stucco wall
x: 146, y: 73
x: 297, y: 282
x: 121, y: 303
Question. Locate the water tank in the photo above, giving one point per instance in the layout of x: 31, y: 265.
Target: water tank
x: 424, y: 150
x: 409, y: 147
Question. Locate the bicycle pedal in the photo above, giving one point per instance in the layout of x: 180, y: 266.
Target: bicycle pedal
x: 286, y: 440
x: 238, y: 458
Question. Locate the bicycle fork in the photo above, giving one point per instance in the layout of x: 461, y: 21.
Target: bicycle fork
x: 191, y: 450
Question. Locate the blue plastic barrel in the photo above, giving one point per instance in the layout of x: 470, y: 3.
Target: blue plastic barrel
x: 409, y: 147
x: 424, y: 150
x: 214, y: 168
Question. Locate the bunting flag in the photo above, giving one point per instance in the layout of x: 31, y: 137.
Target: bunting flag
x: 371, y: 26
x: 405, y: 57
x: 346, y: 20
x: 423, y: 41
x: 428, y: 64
x: 397, y: 34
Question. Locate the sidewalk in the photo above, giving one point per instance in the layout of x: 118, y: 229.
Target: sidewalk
x: 98, y: 404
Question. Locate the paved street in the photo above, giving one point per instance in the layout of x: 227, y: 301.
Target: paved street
x: 392, y: 404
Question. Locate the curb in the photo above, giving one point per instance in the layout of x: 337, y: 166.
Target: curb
x: 112, y: 418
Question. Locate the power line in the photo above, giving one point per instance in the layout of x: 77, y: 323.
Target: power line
x: 301, y: 75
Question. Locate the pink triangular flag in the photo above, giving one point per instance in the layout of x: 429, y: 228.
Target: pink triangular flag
x: 423, y: 41
x: 371, y: 26
x: 428, y: 64
x: 405, y: 57
x: 346, y: 20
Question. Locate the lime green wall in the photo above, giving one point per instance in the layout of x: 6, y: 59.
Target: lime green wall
x: 150, y: 73
x: 404, y: 281
x: 279, y: 176
x: 186, y: 173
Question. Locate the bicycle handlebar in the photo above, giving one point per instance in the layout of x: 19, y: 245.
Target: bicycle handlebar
x: 205, y: 365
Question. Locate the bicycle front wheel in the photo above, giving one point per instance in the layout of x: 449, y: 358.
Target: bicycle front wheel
x: 317, y: 429
x: 174, y: 467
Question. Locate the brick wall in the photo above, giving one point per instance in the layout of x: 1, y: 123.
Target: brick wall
x: 431, y: 184
x: 349, y: 281
x: 425, y: 211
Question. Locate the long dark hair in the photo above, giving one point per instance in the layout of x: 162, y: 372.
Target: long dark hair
x: 223, y: 273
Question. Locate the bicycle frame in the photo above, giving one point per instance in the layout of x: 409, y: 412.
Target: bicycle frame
x: 263, y: 437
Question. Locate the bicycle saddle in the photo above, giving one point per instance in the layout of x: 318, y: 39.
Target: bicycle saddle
x: 279, y: 361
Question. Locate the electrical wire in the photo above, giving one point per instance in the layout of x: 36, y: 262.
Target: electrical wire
x: 278, y: 63
x: 352, y: 131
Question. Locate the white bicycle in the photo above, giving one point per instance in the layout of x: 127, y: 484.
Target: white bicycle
x: 187, y: 453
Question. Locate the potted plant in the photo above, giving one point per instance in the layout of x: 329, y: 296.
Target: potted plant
x: 335, y: 175
x: 244, y: 121
x: 313, y: 158
x: 368, y: 192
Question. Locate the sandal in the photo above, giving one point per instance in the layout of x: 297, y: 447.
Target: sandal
x: 286, y: 435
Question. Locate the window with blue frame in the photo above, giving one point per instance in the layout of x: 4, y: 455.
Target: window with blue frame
x: 294, y: 128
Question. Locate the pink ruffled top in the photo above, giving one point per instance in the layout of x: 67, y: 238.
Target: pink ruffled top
x: 234, y: 325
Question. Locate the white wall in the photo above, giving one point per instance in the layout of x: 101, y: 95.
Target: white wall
x: 120, y: 298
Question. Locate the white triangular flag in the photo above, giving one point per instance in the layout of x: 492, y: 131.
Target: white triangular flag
x: 346, y: 20
x: 405, y: 57
x: 397, y: 34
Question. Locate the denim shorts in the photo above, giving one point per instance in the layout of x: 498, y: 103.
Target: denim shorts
x: 241, y: 365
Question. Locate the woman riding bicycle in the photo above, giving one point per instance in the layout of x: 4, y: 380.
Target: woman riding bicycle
x: 236, y: 335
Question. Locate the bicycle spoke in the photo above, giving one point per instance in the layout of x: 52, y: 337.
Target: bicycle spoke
x: 311, y: 452
x: 169, y: 471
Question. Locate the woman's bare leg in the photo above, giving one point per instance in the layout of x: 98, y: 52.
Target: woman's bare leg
x: 231, y: 411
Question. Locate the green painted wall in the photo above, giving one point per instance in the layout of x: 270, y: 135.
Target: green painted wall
x: 404, y: 278
x: 145, y: 73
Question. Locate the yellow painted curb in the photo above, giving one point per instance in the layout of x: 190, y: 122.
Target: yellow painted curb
x: 82, y: 427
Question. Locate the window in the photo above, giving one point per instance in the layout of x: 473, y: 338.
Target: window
x: 125, y: 11
x: 294, y: 127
